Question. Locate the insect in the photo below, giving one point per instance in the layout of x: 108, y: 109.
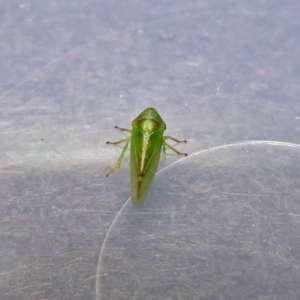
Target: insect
x: 147, y: 141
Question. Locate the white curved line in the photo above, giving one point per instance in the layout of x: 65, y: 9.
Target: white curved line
x: 273, y: 143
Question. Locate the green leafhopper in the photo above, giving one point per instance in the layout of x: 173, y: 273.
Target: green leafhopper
x: 147, y: 141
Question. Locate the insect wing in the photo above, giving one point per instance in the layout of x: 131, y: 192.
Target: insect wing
x: 144, y: 159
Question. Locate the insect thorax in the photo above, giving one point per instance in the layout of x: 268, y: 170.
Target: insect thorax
x: 148, y: 126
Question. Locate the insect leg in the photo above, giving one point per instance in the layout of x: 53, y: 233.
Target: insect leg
x: 118, y: 165
x: 165, y: 144
x: 123, y: 129
x: 173, y: 139
x: 121, y: 141
x: 164, y: 149
x: 118, y: 142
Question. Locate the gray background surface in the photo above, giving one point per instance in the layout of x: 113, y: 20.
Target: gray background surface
x: 223, y: 223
